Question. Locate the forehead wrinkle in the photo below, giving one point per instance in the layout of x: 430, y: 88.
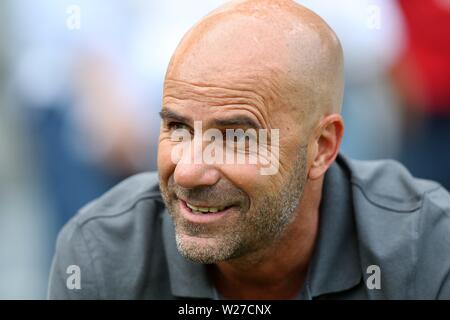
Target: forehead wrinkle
x: 183, y: 90
x: 239, y: 91
x: 260, y: 97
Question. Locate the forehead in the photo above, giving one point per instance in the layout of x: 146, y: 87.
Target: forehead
x: 228, y: 49
x: 239, y: 88
x: 243, y: 92
x: 204, y: 101
x: 228, y: 64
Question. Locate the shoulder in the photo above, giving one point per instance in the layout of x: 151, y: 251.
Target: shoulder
x: 121, y: 226
x: 121, y: 199
x: 389, y: 185
x: 403, y: 225
x: 127, y: 213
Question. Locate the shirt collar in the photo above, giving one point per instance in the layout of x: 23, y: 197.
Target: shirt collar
x: 335, y: 265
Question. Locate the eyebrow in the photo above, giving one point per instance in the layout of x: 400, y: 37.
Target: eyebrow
x: 166, y: 115
x: 239, y: 120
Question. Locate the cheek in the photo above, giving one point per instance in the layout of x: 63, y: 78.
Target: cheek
x: 248, y: 178
x: 165, y: 165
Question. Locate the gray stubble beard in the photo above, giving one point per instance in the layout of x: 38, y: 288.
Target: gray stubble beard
x: 252, y: 233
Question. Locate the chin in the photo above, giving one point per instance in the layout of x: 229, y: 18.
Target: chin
x: 201, y: 249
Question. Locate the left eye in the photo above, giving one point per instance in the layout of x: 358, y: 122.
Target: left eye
x: 177, y: 126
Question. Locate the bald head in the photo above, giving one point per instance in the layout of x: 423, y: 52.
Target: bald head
x: 285, y: 52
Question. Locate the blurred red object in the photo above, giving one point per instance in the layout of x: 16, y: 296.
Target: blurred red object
x: 423, y: 72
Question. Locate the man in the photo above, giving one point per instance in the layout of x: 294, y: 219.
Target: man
x: 301, y: 222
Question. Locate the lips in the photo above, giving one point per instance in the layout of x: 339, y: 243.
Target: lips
x: 204, y: 215
x: 205, y: 210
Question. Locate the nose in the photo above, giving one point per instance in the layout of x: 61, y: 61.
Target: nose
x: 190, y: 173
x: 195, y: 175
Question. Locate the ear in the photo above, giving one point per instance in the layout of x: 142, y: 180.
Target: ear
x: 326, y: 145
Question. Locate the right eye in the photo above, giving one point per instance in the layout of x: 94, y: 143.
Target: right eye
x: 179, y: 132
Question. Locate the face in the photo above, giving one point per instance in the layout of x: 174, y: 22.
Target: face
x: 246, y: 210
x: 225, y: 210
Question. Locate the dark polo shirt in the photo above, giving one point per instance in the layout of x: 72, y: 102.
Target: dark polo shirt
x: 382, y: 235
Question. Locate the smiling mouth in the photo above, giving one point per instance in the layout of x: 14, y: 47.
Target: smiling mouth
x: 205, y: 210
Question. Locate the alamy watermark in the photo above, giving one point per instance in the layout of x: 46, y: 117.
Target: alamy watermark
x: 73, y: 21
x: 73, y: 281
x: 373, y: 21
x: 255, y: 147
x: 373, y: 281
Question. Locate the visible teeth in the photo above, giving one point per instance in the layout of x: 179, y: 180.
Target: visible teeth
x: 204, y: 209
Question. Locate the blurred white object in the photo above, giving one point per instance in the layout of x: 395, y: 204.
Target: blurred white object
x: 371, y: 33
x: 372, y: 37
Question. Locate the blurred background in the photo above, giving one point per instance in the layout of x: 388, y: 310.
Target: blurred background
x: 81, y: 86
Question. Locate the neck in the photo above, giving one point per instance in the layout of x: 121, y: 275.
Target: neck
x: 277, y: 271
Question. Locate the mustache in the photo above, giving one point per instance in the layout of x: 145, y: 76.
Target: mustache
x: 222, y: 193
